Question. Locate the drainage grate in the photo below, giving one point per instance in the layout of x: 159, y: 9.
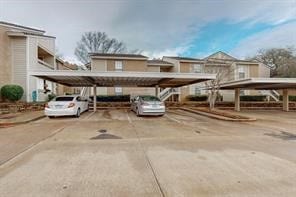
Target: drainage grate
x: 102, y: 130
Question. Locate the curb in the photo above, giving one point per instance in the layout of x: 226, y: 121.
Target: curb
x: 218, y: 117
x: 10, y: 124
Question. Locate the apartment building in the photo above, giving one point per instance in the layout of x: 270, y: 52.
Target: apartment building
x: 122, y: 62
x: 23, y: 49
x: 217, y: 62
x: 228, y: 67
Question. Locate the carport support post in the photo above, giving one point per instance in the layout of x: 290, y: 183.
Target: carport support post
x: 285, y: 100
x: 237, y: 99
x: 95, y: 98
x: 157, y: 90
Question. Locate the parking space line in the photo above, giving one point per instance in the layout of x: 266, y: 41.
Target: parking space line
x: 89, y: 115
x: 173, y: 119
x: 128, y: 117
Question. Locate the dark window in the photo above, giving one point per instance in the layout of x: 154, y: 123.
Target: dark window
x: 64, y: 98
x: 149, y: 98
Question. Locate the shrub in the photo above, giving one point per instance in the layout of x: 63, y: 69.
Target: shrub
x: 197, y: 97
x: 12, y: 92
x: 51, y: 96
x: 253, y: 98
x: 113, y: 98
x: 291, y: 98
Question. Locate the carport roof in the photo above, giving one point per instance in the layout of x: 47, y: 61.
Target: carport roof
x: 123, y: 79
x: 261, y: 84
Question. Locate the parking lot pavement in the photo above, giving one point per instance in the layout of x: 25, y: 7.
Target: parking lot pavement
x: 279, y: 120
x: 116, y: 153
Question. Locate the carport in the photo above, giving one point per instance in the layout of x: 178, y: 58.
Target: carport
x: 123, y: 79
x: 284, y: 84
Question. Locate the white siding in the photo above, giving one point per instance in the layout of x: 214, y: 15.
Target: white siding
x: 33, y: 53
x: 33, y: 64
x: 19, y: 74
x: 48, y: 43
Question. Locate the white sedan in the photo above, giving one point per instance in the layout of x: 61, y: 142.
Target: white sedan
x: 72, y: 105
x: 147, y: 105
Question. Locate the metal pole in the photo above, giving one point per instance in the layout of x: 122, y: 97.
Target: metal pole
x: 237, y: 99
x: 157, y: 90
x: 95, y: 98
x: 286, y: 100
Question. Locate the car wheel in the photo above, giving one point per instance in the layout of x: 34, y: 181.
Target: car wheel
x: 78, y: 113
x: 50, y: 117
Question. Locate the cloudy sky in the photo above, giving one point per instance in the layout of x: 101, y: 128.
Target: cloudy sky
x: 167, y: 27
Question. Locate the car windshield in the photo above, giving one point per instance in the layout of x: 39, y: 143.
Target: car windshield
x: 149, y: 98
x: 64, y: 98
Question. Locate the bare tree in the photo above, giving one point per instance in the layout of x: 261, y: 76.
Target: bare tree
x: 223, y: 73
x: 282, y: 61
x: 97, y: 42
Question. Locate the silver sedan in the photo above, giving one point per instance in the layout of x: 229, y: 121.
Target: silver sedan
x: 147, y: 105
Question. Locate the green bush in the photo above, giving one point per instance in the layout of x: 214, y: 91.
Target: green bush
x: 197, y: 97
x: 291, y: 98
x: 12, y: 92
x: 113, y: 98
x: 51, y: 96
x: 253, y: 98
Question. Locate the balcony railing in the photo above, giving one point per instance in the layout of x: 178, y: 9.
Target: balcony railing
x: 45, y: 64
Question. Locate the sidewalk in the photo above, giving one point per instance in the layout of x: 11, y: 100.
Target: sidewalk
x: 12, y: 119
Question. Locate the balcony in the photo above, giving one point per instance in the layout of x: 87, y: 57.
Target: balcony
x: 45, y: 57
x: 43, y: 63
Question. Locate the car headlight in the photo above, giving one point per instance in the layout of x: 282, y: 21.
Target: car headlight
x: 71, y: 105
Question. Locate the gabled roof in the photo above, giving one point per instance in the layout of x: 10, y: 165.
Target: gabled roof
x: 117, y: 56
x: 22, y: 27
x: 159, y: 62
x: 221, y: 55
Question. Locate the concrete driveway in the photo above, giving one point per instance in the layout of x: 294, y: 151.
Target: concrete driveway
x: 115, y: 153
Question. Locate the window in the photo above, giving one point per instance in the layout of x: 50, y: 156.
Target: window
x: 118, y: 90
x: 64, y: 98
x: 197, y: 91
x: 149, y: 98
x: 118, y: 66
x: 197, y: 68
x: 241, y: 72
x: 241, y: 75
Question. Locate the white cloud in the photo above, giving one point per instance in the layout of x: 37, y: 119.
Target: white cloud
x: 281, y: 36
x: 152, y: 26
x: 167, y: 52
